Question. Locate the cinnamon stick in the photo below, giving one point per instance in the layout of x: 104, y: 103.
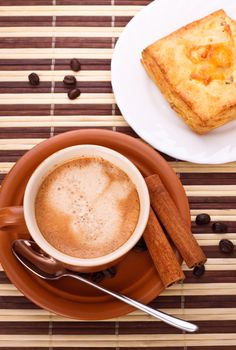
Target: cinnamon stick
x: 161, y: 252
x: 178, y: 230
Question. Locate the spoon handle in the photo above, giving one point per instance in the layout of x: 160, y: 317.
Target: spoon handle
x: 171, y: 320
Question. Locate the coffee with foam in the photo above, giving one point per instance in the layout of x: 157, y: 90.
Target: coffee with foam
x: 87, y: 207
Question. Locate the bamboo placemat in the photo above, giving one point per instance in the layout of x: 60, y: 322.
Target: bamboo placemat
x: 42, y: 36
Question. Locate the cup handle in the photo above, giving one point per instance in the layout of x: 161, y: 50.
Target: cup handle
x: 12, y: 218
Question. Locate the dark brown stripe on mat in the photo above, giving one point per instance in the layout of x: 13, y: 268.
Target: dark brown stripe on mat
x: 133, y: 2
x: 212, y: 277
x: 173, y: 302
x: 38, y: 348
x: 24, y: 110
x: 83, y: 2
x: 208, y: 178
x: 214, y: 252
x: 91, y: 21
x: 103, y: 348
x: 122, y: 21
x: 14, y: 303
x: 225, y: 347
x: 208, y: 228
x: 142, y: 348
x: 60, y: 129
x: 117, y: 110
x: 83, y: 109
x: 3, y: 279
x: 25, y: 64
x: 10, y: 155
x: 64, y: 328
x: 109, y: 328
x: 161, y: 328
x: 24, y: 328
x: 45, y: 64
x: 45, y: 87
x: 28, y: 42
x: 25, y: 2
x: 82, y: 348
x: 86, y: 64
x: 210, y: 301
x: 83, y: 328
x: 84, y: 21
x: 87, y: 87
x: 212, y: 202
x: 130, y: 348
x: 26, y: 21
x: 63, y: 21
x: 216, y: 327
x: 24, y: 87
x: 84, y: 42
x: 147, y: 328
x: 127, y: 130
x: 21, y: 133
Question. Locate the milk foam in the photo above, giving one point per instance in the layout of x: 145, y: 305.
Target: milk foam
x: 93, y: 202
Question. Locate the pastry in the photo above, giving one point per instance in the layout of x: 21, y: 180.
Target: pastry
x: 195, y: 69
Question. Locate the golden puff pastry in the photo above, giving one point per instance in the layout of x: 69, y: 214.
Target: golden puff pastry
x: 195, y: 69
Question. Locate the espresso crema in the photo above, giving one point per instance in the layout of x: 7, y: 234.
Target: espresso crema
x: 87, y: 207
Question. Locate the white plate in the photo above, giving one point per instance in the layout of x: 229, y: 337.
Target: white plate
x: 141, y: 102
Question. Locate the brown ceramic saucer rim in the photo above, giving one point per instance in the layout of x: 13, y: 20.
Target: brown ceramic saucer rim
x: 100, y: 134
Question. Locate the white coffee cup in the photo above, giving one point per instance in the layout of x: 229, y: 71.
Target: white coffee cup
x: 63, y: 156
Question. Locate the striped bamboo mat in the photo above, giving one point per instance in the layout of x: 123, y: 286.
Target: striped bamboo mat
x: 42, y: 36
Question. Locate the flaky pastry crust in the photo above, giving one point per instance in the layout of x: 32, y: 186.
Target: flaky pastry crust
x: 195, y: 69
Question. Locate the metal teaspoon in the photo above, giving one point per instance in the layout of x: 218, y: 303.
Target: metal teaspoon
x: 46, y: 267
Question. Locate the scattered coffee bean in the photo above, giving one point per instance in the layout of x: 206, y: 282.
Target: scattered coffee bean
x: 226, y: 246
x: 73, y: 94
x: 140, y: 246
x: 75, y: 65
x: 199, y: 270
x: 34, y: 79
x: 110, y: 273
x: 219, y: 227
x: 69, y: 80
x: 202, y: 219
x: 97, y: 276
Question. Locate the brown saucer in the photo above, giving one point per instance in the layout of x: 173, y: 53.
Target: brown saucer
x: 136, y: 275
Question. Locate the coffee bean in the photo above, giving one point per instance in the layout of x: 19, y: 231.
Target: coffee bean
x: 219, y: 227
x: 73, y: 94
x: 34, y: 79
x: 97, y: 276
x: 140, y: 246
x: 110, y: 273
x: 75, y: 65
x: 202, y: 219
x: 198, y: 270
x: 69, y: 80
x: 226, y: 246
